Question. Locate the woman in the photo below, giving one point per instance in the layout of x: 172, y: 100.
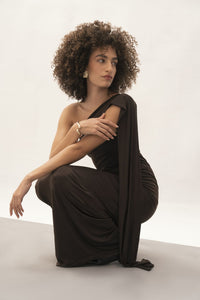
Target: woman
x: 97, y: 213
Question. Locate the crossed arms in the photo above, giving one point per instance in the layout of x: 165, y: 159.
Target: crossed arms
x: 73, y: 151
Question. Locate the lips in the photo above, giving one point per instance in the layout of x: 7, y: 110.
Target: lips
x: 107, y: 77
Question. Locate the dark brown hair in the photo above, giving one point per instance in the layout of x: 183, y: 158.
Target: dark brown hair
x: 72, y: 57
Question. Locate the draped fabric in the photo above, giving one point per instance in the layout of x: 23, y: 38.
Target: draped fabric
x: 97, y: 213
x: 137, y: 183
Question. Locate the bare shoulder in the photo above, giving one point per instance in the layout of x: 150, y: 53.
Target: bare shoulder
x: 70, y: 112
x: 78, y: 111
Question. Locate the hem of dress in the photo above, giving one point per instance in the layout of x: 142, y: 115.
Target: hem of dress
x: 90, y: 260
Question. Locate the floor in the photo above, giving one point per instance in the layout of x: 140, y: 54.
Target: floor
x: 28, y: 270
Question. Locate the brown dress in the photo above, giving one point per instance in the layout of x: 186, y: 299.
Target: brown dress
x: 97, y: 213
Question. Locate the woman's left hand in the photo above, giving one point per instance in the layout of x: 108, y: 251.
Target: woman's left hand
x: 17, y: 197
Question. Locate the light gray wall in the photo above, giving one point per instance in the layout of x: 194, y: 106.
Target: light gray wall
x: 167, y: 95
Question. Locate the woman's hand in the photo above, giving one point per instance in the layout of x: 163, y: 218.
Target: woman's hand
x: 18, y: 195
x: 98, y: 126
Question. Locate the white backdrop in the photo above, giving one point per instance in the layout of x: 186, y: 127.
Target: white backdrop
x: 167, y: 95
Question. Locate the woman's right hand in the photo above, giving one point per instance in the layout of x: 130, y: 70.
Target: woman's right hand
x: 98, y: 126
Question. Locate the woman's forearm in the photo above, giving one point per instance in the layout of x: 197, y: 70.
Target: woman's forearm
x: 68, y: 155
x: 70, y: 138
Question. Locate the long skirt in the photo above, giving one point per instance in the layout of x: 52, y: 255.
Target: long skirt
x: 84, y: 204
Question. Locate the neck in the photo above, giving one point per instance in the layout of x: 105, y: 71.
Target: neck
x: 97, y: 96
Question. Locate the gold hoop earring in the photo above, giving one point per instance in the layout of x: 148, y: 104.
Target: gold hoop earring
x: 85, y: 74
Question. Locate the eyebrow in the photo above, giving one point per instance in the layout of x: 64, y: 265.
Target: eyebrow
x: 102, y: 55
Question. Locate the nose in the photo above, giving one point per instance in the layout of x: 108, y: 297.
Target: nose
x: 109, y: 66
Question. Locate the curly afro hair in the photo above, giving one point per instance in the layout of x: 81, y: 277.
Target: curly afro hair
x: 72, y: 57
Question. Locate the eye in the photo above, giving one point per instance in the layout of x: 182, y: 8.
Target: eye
x: 101, y: 59
x: 115, y: 63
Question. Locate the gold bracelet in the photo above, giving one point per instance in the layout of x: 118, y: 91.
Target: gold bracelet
x: 79, y: 126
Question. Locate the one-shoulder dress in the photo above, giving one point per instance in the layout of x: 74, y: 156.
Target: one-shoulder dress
x: 97, y: 212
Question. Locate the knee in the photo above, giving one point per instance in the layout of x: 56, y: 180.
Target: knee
x: 61, y: 174
x: 38, y: 188
x: 41, y: 186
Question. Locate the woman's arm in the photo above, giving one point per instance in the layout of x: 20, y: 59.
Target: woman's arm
x: 70, y: 138
x: 66, y: 131
x: 68, y: 155
x: 76, y: 151
x: 62, y: 138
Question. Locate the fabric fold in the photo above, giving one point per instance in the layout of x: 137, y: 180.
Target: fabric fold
x: 131, y: 189
x: 131, y: 165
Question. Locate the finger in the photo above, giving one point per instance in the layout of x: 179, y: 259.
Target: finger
x: 12, y: 206
x: 107, y: 125
x: 20, y: 212
x: 111, y: 123
x: 105, y: 133
x: 101, y: 132
x: 107, y: 130
x: 16, y: 211
x: 102, y: 116
x: 103, y: 136
x: 21, y: 207
x: 109, y: 133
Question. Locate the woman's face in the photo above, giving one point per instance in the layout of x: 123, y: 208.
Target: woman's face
x: 102, y: 62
